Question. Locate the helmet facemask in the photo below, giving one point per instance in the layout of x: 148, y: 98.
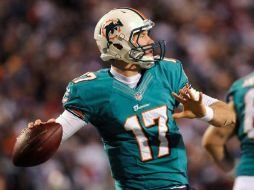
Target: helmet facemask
x: 138, y: 53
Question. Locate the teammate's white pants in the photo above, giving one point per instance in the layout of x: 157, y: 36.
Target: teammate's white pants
x: 244, y: 183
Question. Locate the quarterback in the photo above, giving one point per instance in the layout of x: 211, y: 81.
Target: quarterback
x: 132, y: 105
x: 241, y: 99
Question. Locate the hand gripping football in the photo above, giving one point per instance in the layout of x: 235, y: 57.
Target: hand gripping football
x: 36, y: 145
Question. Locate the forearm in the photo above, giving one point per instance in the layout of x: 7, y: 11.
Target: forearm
x: 221, y: 157
x: 224, y: 115
x: 214, y: 140
x: 206, y: 108
x: 70, y: 124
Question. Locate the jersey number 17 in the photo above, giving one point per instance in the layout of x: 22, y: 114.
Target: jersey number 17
x: 149, y: 119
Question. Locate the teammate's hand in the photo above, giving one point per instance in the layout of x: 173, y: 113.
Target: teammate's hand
x: 38, y: 122
x: 192, y: 108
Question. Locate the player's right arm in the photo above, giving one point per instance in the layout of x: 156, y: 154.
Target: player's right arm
x: 75, y: 115
x: 214, y: 141
x: 70, y: 123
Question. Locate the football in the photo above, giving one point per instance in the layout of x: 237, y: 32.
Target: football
x: 36, y: 145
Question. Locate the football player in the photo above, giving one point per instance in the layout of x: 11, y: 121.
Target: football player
x: 241, y: 100
x: 132, y: 105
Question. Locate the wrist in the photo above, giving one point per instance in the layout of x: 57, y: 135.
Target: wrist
x: 208, y: 115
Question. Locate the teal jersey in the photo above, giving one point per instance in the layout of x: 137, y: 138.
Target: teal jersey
x: 141, y: 139
x: 242, y: 94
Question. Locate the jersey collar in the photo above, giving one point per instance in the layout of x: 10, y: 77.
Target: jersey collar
x: 129, y: 81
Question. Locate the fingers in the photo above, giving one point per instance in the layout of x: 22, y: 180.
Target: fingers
x: 184, y: 114
x: 39, y: 122
x: 187, y: 94
x: 30, y: 125
x: 190, y: 94
x: 184, y: 94
x: 34, y: 124
x: 178, y: 98
x: 52, y: 120
x: 178, y: 115
x: 200, y: 97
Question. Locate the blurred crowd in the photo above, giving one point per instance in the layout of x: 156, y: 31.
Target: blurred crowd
x: 46, y: 43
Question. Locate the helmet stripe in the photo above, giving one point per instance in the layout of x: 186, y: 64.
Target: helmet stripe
x: 135, y: 11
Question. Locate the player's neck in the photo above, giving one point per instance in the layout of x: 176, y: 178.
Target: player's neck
x: 126, y: 69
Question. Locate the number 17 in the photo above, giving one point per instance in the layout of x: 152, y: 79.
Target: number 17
x: 149, y: 119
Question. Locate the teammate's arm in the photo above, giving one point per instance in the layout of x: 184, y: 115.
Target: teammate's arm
x: 214, y: 141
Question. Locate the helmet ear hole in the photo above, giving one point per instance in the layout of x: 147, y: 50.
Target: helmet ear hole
x: 118, y: 46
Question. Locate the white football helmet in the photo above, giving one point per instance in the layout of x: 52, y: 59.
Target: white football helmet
x: 114, y: 37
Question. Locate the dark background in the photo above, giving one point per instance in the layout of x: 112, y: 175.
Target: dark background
x: 45, y: 43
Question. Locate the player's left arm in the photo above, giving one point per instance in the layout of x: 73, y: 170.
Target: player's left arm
x: 224, y: 115
x: 198, y: 105
x: 214, y: 141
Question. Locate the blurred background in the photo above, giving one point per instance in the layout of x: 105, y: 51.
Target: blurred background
x: 46, y: 43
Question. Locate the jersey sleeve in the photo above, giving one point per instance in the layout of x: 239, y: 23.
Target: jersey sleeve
x: 230, y: 93
x: 175, y: 75
x: 180, y: 78
x: 75, y: 103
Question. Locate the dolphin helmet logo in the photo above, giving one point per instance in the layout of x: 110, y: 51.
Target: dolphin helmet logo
x: 111, y: 29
